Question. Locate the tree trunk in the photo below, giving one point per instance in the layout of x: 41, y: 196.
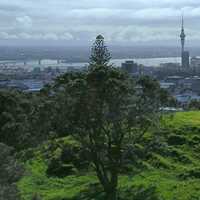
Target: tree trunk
x: 111, y: 194
x: 111, y: 189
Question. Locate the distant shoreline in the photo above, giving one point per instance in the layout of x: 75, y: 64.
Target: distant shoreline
x: 53, y: 63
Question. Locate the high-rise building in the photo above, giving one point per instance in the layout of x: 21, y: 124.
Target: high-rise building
x: 185, y: 56
x: 130, y: 66
x: 195, y: 63
x: 185, y: 59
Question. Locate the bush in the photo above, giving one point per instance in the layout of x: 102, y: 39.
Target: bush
x: 195, y: 140
x: 10, y: 173
x: 65, y: 157
x: 58, y: 169
x: 192, y: 173
x: 176, y: 140
x: 178, y: 155
x: 140, y: 193
x: 159, y: 162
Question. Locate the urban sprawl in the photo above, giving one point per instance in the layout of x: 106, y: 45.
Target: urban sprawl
x: 181, y: 80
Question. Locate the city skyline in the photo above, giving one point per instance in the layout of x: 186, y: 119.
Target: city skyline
x: 78, y: 22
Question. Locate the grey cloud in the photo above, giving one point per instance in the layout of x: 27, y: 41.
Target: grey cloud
x: 120, y: 21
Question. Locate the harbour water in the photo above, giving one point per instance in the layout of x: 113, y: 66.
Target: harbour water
x: 155, y: 62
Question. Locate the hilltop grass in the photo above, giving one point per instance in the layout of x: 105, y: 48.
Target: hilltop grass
x: 181, y: 119
x: 174, y: 171
x: 167, y: 185
x: 37, y: 182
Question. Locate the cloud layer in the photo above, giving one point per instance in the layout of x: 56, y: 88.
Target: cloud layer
x: 81, y: 20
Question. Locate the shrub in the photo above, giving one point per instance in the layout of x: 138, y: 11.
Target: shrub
x: 191, y: 173
x: 10, y: 173
x: 65, y: 157
x: 195, y: 140
x: 179, y: 155
x: 58, y: 169
x: 159, y: 162
x: 176, y: 139
x: 140, y: 193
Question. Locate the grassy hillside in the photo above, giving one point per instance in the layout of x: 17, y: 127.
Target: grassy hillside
x: 181, y: 119
x: 170, y: 172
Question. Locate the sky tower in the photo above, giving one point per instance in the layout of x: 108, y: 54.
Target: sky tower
x: 182, y: 36
x: 185, y: 56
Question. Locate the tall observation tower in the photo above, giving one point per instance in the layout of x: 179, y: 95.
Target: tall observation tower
x: 182, y: 36
x: 185, y: 56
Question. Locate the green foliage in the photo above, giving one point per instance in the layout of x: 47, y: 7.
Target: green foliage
x: 14, y: 107
x: 179, y: 155
x: 194, y: 105
x: 139, y: 193
x: 100, y: 54
x: 174, y: 139
x: 64, y: 157
x: 24, y: 118
x: 191, y: 174
x: 58, y: 169
x: 10, y: 173
x: 160, y: 162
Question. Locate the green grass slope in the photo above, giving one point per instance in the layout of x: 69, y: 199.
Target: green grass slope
x: 170, y: 172
x: 181, y: 119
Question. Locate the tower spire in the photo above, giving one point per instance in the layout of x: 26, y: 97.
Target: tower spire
x: 185, y: 55
x: 182, y: 35
x: 182, y: 22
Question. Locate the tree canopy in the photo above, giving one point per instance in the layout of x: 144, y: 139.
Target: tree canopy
x: 106, y: 110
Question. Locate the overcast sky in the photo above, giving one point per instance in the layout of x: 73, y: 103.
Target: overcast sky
x: 79, y: 21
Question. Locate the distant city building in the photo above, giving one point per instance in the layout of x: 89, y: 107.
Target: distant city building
x: 171, y: 109
x: 187, y: 97
x: 174, y: 79
x: 130, y: 66
x: 36, y: 70
x: 185, y: 56
x: 192, y: 83
x: 185, y: 59
x: 195, y: 62
x: 170, y: 87
x: 170, y: 66
x: 12, y: 70
x: 29, y: 85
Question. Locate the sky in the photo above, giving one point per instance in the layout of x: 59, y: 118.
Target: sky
x: 80, y: 21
